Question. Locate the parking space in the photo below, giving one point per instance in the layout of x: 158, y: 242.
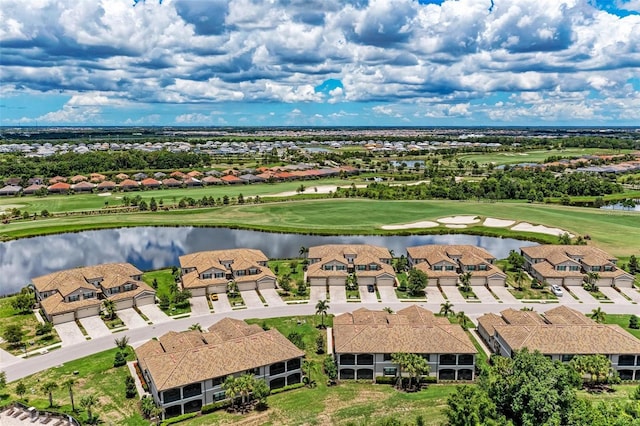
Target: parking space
x: 582, y: 294
x: 272, y: 297
x: 251, y: 299
x: 318, y: 292
x: 154, y: 313
x: 453, y: 294
x: 614, y: 296
x: 434, y: 295
x: 222, y: 304
x: 366, y: 296
x: 95, y: 327
x: 69, y: 333
x: 503, y: 294
x: 388, y: 294
x: 483, y: 294
x: 199, y: 305
x: 131, y: 319
x: 632, y: 293
x: 338, y: 294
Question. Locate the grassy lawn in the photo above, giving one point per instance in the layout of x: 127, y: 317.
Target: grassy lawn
x: 353, y: 294
x: 165, y: 281
x: 467, y: 294
x: 235, y: 299
x: 526, y: 292
x: 621, y: 393
x: 293, y: 268
x: 613, y: 231
x: 97, y: 376
x: 534, y: 156
x: 28, y: 323
x: 623, y: 321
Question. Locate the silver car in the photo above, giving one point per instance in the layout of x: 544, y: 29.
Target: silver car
x: 557, y: 290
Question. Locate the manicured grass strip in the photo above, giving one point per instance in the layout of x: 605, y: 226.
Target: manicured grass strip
x: 623, y: 321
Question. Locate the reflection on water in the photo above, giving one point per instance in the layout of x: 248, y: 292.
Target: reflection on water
x: 619, y: 206
x: 154, y: 248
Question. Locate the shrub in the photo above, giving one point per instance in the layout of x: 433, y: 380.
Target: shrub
x: 130, y: 388
x: 178, y: 419
x: 330, y: 368
x: 119, y: 360
x: 286, y: 388
x: 633, y: 322
x: 386, y: 380
x: 209, y: 408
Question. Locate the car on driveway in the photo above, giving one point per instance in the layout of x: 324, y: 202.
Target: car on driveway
x: 557, y: 290
x: 370, y: 289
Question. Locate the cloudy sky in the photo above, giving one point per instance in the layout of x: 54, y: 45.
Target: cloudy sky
x: 319, y: 62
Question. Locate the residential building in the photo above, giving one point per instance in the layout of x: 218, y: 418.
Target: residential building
x: 561, y: 333
x: 209, y: 272
x: 59, y: 188
x: 10, y: 190
x: 186, y: 370
x: 332, y: 264
x: 444, y: 264
x: 77, y: 293
x: 569, y: 265
x: 364, y: 341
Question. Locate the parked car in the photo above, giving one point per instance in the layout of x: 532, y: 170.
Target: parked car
x: 557, y: 290
x: 370, y: 289
x: 213, y: 297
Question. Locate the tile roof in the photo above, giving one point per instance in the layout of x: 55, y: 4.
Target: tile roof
x: 412, y: 330
x: 564, y: 315
x: 545, y: 251
x: 230, y: 346
x: 447, y: 251
x: 54, y: 304
x: 60, y: 186
x: 328, y: 250
x: 78, y: 276
x: 489, y: 321
x: 517, y: 317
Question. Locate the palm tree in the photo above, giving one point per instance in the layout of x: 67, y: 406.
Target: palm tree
x: 88, y: 402
x: 401, y: 360
x: 195, y: 327
x: 598, y: 315
x: 321, y: 309
x: 231, y: 388
x: 446, y: 309
x: 122, y: 342
x: 303, y: 251
x: 48, y: 388
x: 462, y: 319
x: 147, y: 404
x: 109, y: 307
x: 68, y: 383
x: 592, y: 279
x: 465, y: 280
x: 387, y: 310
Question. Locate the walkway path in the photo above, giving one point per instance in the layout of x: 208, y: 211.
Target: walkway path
x: 614, y: 296
x: 632, y: 293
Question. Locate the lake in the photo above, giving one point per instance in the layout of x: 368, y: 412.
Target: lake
x: 158, y: 247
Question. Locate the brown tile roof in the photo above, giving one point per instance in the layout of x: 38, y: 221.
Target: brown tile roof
x: 32, y: 188
x: 194, y: 173
x: 128, y: 183
x: 106, y: 184
x: 516, y: 317
x: 83, y: 185
x: 54, y: 304
x: 389, y: 333
x: 360, y: 250
x: 570, y: 339
x: 545, y: 251
x: 171, y: 182
x: 231, y: 178
x: 489, y: 321
x: 211, y: 179
x: 190, y: 360
x: 548, y: 271
x: 77, y: 276
x: 437, y: 251
x: 122, y: 176
x: 60, y: 186
x: 564, y: 315
x: 78, y: 178
x: 57, y: 179
x: 150, y: 182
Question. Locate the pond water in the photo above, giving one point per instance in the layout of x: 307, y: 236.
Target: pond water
x: 619, y: 206
x: 157, y: 247
x: 408, y: 163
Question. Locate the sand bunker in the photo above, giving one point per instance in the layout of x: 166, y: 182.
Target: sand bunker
x: 322, y: 189
x: 454, y: 225
x: 497, y: 223
x: 459, y: 220
x: 104, y: 194
x: 540, y: 229
x: 423, y: 224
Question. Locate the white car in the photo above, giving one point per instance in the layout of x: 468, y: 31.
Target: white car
x: 557, y: 290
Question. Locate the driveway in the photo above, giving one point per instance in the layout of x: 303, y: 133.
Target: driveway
x: 365, y: 296
x: 503, y: 294
x: 272, y: 298
x: 95, y: 327
x: 154, y: 313
x: 318, y: 292
x: 453, y: 294
x: 69, y: 333
x: 483, y: 294
x: 199, y: 305
x: 131, y: 319
x: 582, y: 294
x: 251, y: 299
x: 338, y: 294
x: 388, y: 294
x: 615, y: 297
x: 222, y: 304
x: 632, y: 293
x: 434, y: 295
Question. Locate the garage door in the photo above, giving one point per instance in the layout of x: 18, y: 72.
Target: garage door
x: 623, y: 282
x: 266, y: 283
x: 87, y: 312
x: 317, y: 281
x: 386, y: 282
x: 447, y: 281
x: 478, y: 281
x: 59, y: 319
x: 366, y: 280
x: 200, y: 291
x: 334, y: 281
x: 496, y: 281
x: 217, y: 289
x: 573, y: 281
x: 148, y: 299
x: 124, y: 304
x: 250, y: 285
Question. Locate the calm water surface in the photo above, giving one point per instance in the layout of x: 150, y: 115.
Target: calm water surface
x: 154, y: 248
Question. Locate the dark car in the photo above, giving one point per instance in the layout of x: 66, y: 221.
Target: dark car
x: 370, y: 289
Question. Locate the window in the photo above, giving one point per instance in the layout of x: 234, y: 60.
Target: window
x: 373, y: 267
x: 114, y: 290
x: 347, y: 359
x: 362, y: 267
x: 567, y: 358
x: 596, y: 268
x: 365, y: 359
x: 240, y: 273
x: 426, y: 357
x: 471, y: 267
x: 219, y: 396
x: 386, y: 357
x: 278, y: 383
x: 390, y: 371
x: 437, y: 267
x: 128, y: 287
x: 561, y: 268
x: 206, y: 276
x: 293, y: 364
x: 448, y: 359
x: 88, y: 295
x: 219, y: 380
x: 482, y: 267
x: 465, y: 374
x: 626, y: 360
x: 465, y: 359
x: 574, y: 268
x: 608, y: 268
x: 327, y: 267
x: 219, y: 275
x: 341, y: 268
x: 365, y: 374
x: 277, y: 368
x: 170, y: 395
x: 74, y: 298
x: 449, y: 268
x: 253, y: 271
x: 191, y: 390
